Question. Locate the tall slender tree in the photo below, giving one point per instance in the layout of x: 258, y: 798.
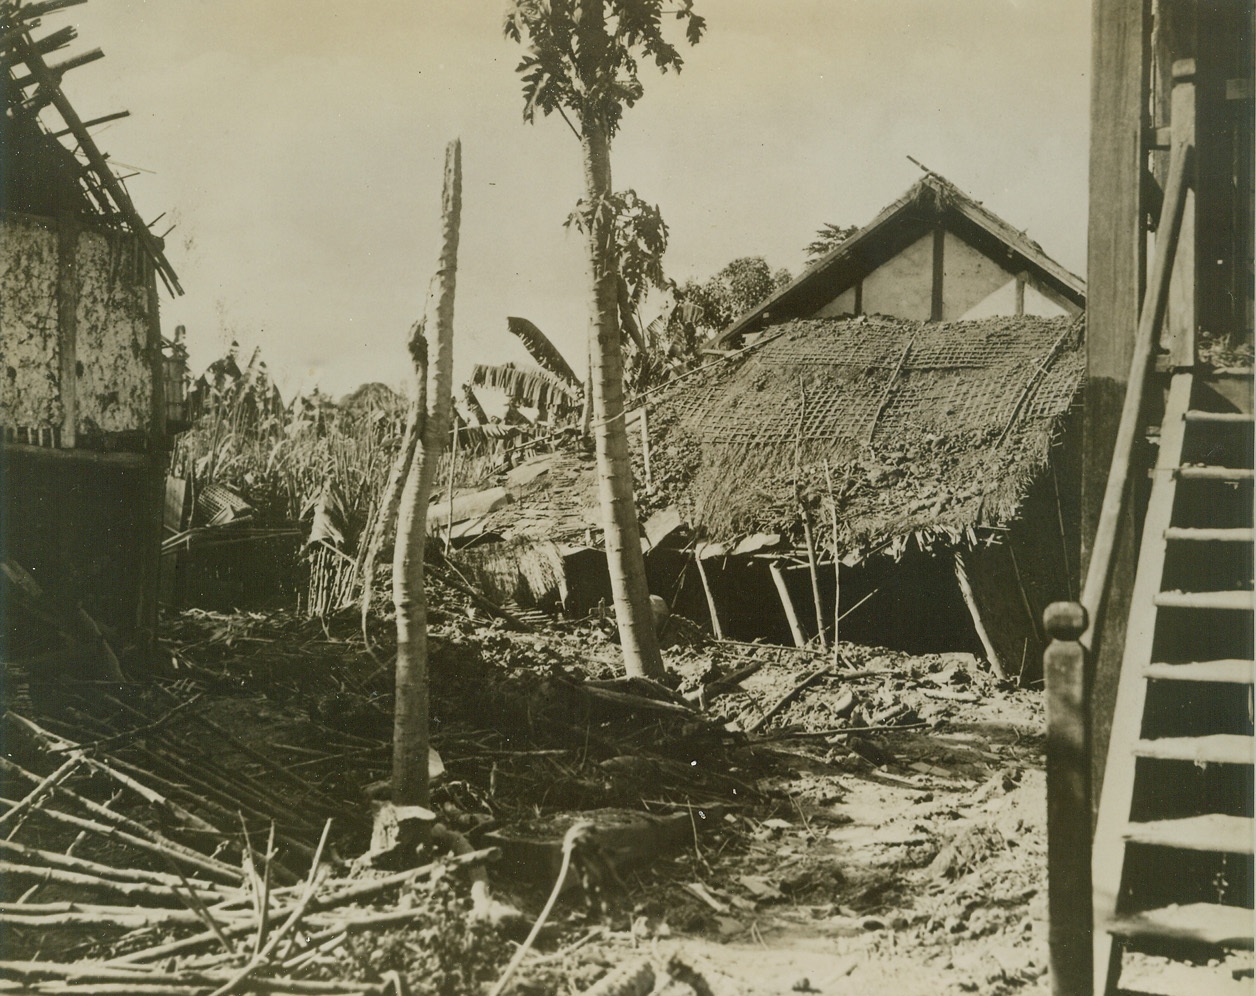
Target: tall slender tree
x: 582, y: 60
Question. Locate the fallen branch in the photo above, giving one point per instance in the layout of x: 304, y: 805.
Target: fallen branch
x: 840, y: 731
x: 788, y: 697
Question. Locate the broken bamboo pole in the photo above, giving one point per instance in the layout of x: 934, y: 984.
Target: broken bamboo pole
x: 35, y: 795
x: 35, y: 856
x: 787, y: 603
x: 716, y: 628
x: 130, y: 828
x: 804, y: 513
x: 789, y: 696
x: 149, y: 795
x: 970, y: 600
x: 207, y: 865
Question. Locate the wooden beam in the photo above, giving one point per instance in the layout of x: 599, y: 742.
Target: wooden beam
x: 1116, y: 261
x: 939, y: 263
x: 970, y: 600
x: 1116, y: 252
x: 791, y: 616
x: 1020, y: 292
x: 1069, y: 804
x: 67, y: 317
x: 716, y: 628
x: 116, y: 458
x: 1182, y: 316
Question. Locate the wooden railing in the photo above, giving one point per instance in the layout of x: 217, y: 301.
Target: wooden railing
x: 1074, y: 627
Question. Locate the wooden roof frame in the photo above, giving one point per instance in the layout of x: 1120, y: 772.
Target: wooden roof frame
x: 931, y: 202
x: 102, y: 189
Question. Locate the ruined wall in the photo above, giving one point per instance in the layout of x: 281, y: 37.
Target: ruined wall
x: 30, y: 386
x: 115, y: 383
x: 113, y: 388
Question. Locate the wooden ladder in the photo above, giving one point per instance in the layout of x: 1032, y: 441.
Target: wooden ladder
x: 1172, y: 858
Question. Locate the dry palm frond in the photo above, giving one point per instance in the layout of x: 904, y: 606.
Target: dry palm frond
x: 542, y: 350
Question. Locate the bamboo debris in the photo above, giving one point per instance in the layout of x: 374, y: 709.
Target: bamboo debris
x: 36, y: 795
x: 207, y: 865
x: 85, y: 973
x: 51, y: 741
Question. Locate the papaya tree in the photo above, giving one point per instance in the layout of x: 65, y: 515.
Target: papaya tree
x: 583, y: 60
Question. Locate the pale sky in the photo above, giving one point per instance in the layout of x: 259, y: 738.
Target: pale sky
x: 298, y: 146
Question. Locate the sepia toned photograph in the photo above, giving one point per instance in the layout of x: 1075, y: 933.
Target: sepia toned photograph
x: 627, y: 497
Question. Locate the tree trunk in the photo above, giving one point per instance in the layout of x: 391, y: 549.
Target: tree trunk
x: 410, y: 717
x: 619, y: 515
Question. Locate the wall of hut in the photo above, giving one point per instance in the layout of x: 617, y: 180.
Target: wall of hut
x: 103, y: 276
x: 84, y: 451
x: 973, y: 287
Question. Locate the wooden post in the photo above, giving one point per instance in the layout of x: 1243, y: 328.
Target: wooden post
x: 1115, y: 274
x: 67, y: 322
x: 1020, y: 293
x: 778, y: 578
x: 1068, y: 801
x: 937, y: 302
x: 1182, y: 316
x: 970, y: 600
x: 645, y: 445
x: 410, y: 712
x: 716, y: 628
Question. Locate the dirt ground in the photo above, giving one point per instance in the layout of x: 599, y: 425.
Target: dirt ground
x: 819, y: 827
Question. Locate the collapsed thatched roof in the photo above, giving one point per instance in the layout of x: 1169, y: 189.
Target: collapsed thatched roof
x: 929, y: 430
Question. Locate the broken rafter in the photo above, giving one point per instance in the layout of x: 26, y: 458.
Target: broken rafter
x: 115, y: 116
x: 61, y: 68
x: 29, y: 11
x: 32, y: 54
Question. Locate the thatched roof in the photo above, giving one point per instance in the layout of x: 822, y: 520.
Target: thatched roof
x: 931, y: 431
x: 931, y: 202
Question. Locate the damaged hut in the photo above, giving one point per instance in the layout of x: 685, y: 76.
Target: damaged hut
x: 82, y: 403
x: 932, y: 461
x: 902, y: 409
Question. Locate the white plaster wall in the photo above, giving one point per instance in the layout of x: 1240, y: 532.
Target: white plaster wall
x: 30, y: 394
x: 1037, y: 303
x: 968, y: 277
x: 903, y: 286
x: 115, y: 380
x: 843, y: 304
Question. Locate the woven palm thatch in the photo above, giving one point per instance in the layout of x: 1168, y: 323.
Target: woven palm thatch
x: 929, y: 430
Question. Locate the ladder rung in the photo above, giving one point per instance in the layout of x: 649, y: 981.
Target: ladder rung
x: 1219, y: 748
x: 1210, y: 832
x: 1195, y: 415
x: 1198, y: 923
x: 1214, y: 473
x: 1238, y: 601
x: 1198, y: 535
x: 1237, y: 672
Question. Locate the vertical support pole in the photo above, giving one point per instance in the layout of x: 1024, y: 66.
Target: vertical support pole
x: 1182, y: 318
x: 68, y: 228
x: 154, y: 486
x: 795, y: 628
x: 645, y: 445
x: 1069, y: 802
x: 716, y: 628
x: 970, y: 600
x: 939, y: 269
x: 1115, y: 275
x: 1020, y: 293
